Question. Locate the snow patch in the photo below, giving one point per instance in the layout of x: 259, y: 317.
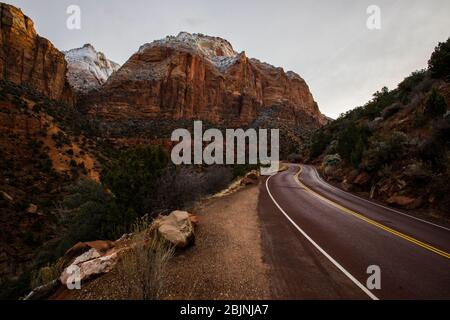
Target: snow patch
x: 88, y: 68
x: 216, y: 50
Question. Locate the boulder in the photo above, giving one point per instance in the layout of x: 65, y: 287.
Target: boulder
x: 402, y: 201
x: 252, y: 175
x: 248, y: 181
x: 90, y: 263
x: 176, y: 228
x: 250, y: 178
x: 362, y: 179
x: 32, y: 209
x: 101, y: 246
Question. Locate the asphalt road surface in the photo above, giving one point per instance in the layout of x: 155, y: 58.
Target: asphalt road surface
x: 324, y: 243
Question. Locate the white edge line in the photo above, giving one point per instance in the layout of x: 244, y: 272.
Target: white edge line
x: 377, y: 204
x: 341, y: 268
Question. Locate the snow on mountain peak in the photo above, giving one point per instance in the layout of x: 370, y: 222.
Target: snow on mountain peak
x: 217, y: 50
x: 87, y: 68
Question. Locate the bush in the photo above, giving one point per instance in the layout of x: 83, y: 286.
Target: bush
x: 91, y: 213
x: 352, y: 142
x: 319, y: 142
x: 439, y: 63
x: 133, y: 176
x: 47, y: 274
x: 435, y: 105
x: 409, y: 83
x: 332, y: 160
x: 434, y: 150
x: 179, y: 187
x: 384, y: 151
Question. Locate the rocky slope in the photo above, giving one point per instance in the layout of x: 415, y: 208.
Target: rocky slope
x: 396, y: 148
x: 88, y: 69
x: 193, y: 76
x: 43, y: 146
x: 28, y: 59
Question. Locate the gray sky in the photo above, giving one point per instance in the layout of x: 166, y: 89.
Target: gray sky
x: 326, y: 42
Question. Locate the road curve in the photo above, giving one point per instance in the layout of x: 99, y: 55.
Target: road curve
x: 319, y: 242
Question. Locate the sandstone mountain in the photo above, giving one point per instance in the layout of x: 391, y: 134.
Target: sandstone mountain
x: 88, y: 69
x: 28, y: 59
x: 194, y: 76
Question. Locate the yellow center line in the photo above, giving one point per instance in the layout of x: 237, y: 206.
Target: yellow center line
x: 370, y: 221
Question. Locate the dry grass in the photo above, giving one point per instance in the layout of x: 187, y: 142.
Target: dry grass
x: 47, y: 274
x: 143, y: 267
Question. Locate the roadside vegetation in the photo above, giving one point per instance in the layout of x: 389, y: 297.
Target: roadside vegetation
x: 396, y: 147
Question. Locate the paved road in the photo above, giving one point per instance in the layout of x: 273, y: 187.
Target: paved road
x: 319, y: 242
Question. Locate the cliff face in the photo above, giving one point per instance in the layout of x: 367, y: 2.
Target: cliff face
x: 201, y: 77
x: 88, y: 69
x: 28, y: 59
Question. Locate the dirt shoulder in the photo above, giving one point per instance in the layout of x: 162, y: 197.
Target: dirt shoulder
x: 226, y: 260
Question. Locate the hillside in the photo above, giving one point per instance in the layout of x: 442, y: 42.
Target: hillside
x: 396, y: 148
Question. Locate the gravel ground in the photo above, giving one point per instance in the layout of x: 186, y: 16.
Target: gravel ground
x: 226, y: 260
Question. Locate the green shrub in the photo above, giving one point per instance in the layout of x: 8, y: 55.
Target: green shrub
x: 435, y: 105
x: 132, y: 177
x: 384, y: 151
x: 409, y: 83
x: 91, y: 213
x: 352, y: 142
x: 332, y: 160
x: 319, y: 142
x: 439, y: 63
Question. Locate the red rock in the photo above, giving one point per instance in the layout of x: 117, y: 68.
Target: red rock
x: 181, y: 78
x: 402, y: 201
x: 248, y: 181
x: 27, y: 58
x: 82, y: 247
x: 362, y: 179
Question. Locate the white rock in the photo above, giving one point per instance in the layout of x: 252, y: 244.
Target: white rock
x: 87, y: 68
x: 90, y: 263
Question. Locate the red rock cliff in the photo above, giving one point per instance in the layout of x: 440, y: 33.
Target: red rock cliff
x: 201, y: 77
x: 28, y: 59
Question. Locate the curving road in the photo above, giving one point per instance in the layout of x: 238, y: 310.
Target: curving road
x: 319, y: 242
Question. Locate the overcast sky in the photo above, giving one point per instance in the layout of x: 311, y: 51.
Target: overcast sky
x: 326, y: 42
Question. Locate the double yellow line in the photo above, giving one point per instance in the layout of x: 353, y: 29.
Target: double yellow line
x: 370, y: 221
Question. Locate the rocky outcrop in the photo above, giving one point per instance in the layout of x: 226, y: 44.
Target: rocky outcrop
x: 88, y: 69
x: 28, y: 59
x: 193, y: 76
